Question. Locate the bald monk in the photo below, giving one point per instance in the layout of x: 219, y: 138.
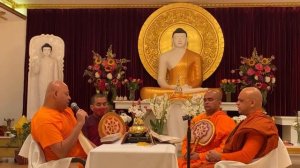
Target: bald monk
x: 54, y: 126
x: 222, y: 123
x: 177, y: 66
x: 254, y: 137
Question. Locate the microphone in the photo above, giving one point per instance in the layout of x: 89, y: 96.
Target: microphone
x: 187, y: 117
x: 74, y: 107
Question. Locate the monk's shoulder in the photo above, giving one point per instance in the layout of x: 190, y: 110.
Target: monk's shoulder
x: 199, y: 117
x: 262, y: 118
x: 224, y: 118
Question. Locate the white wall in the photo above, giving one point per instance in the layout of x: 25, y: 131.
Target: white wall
x: 12, y: 57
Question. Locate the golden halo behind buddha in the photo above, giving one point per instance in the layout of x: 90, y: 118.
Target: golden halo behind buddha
x: 205, y: 36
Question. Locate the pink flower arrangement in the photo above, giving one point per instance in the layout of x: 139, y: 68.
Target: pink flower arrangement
x: 229, y: 85
x: 132, y: 83
x: 106, y: 72
x: 257, y: 71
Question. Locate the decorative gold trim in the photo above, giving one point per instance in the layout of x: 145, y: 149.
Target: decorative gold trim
x: 83, y: 6
x: 246, y: 5
x: 205, y: 5
x: 12, y: 11
x: 11, y: 3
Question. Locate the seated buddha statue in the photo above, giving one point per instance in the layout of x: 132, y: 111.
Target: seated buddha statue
x: 178, y: 65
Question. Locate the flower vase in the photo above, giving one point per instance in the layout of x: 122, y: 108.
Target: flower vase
x: 298, y: 137
x: 264, y: 94
x: 113, y: 93
x: 157, y: 125
x: 132, y: 94
x: 228, y: 96
x: 105, y: 93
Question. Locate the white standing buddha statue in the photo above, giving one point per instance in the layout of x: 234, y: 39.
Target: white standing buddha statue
x: 45, y: 65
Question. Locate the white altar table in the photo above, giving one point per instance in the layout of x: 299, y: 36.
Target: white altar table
x: 133, y: 156
x: 288, y: 132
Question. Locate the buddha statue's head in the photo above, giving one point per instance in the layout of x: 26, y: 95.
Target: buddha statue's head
x: 46, y: 49
x: 179, y: 37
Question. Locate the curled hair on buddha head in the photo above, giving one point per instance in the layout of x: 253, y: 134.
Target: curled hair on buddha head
x: 95, y: 96
x: 46, y: 45
x: 179, y: 30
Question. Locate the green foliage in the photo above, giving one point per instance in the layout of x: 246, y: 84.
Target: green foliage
x: 21, y: 135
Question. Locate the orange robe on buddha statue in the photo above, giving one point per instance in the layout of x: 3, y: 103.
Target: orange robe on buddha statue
x: 187, y: 71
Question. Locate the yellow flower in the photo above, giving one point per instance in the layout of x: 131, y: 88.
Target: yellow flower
x: 111, y: 61
x: 98, y: 60
x: 265, y: 61
x: 250, y: 62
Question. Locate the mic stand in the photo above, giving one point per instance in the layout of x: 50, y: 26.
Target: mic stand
x: 188, y: 153
x: 189, y: 144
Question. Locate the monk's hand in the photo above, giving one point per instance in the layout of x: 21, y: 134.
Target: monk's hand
x: 81, y: 115
x: 213, y: 156
x: 194, y: 156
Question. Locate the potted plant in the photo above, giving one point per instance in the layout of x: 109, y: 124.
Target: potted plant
x: 20, y: 136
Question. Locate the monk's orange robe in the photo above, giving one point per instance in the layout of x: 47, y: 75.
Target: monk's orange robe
x: 49, y: 126
x: 223, y: 127
x: 253, y: 138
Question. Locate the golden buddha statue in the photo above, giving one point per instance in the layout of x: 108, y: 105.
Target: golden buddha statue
x: 177, y: 66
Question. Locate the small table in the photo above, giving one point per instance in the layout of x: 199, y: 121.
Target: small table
x: 133, y: 156
x: 288, y: 132
x: 7, y: 147
x: 294, y: 152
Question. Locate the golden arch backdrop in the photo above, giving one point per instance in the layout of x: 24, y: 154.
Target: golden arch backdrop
x: 272, y: 30
x: 205, y: 36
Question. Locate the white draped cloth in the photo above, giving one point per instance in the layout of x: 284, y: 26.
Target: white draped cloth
x: 176, y: 127
x: 36, y: 158
x: 277, y: 158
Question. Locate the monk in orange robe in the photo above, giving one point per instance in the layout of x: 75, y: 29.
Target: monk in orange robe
x: 254, y: 137
x: 218, y: 131
x: 54, y: 126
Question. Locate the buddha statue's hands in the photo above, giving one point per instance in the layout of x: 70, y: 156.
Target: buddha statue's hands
x: 171, y: 87
x: 186, y: 87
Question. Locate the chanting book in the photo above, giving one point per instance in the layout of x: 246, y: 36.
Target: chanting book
x: 164, y: 138
x: 111, y: 138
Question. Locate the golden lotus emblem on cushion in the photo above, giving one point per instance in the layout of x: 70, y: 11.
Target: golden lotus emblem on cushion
x: 111, y: 123
x: 205, y: 36
x: 203, y: 132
